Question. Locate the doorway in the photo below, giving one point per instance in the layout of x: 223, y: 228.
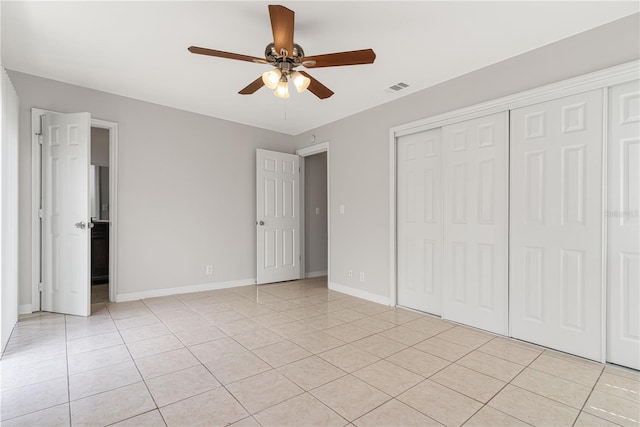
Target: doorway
x: 107, y: 178
x: 315, y: 215
x: 99, y: 207
x: 315, y: 200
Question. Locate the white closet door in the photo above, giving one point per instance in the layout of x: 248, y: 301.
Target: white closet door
x: 475, y: 270
x: 556, y: 224
x: 419, y: 221
x: 623, y: 246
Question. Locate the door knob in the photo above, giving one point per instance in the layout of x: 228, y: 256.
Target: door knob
x: 80, y: 224
x: 260, y: 223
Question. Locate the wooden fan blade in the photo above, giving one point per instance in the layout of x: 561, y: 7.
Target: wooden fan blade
x: 252, y: 87
x: 354, y: 57
x: 317, y: 88
x: 282, y: 21
x: 221, y: 54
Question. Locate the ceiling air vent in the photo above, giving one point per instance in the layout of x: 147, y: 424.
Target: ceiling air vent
x: 396, y: 87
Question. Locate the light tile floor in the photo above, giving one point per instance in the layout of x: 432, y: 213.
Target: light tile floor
x: 293, y: 354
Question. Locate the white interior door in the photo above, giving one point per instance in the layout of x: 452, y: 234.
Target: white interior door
x: 419, y: 221
x: 65, y: 231
x: 623, y: 245
x: 475, y: 255
x: 556, y: 224
x: 277, y: 216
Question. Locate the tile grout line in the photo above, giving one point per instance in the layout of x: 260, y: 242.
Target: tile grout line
x: 39, y: 382
x: 587, y: 399
x: 66, y: 353
x: 521, y: 388
x: 137, y: 368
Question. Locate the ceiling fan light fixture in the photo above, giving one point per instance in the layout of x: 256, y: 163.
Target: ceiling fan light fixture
x: 300, y: 81
x: 282, y: 89
x: 271, y: 78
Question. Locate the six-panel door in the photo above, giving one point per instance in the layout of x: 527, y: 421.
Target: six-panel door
x: 420, y: 221
x: 474, y: 267
x: 623, y: 231
x: 277, y: 216
x: 65, y: 202
x: 556, y: 224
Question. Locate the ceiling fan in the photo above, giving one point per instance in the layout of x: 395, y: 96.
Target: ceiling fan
x: 285, y: 55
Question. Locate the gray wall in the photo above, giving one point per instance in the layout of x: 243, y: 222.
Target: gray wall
x: 315, y: 225
x: 100, y: 147
x: 186, y: 187
x: 359, y: 145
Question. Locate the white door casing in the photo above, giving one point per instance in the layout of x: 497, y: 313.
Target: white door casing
x: 65, y: 230
x: 556, y: 224
x: 476, y: 214
x: 623, y: 230
x: 277, y: 216
x: 419, y: 221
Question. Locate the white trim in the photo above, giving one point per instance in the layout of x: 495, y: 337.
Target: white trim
x: 132, y: 296
x: 311, y: 274
x: 507, y: 237
x: 305, y: 152
x: 393, y: 291
x: 595, y: 80
x: 313, y: 149
x: 604, y: 223
x: 358, y: 293
x: 24, y: 309
x: 303, y: 222
x: 36, y: 203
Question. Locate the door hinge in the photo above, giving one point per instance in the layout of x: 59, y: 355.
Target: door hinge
x: 40, y: 138
x: 40, y: 213
x: 39, y: 286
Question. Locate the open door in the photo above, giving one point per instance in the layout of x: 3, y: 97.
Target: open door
x: 277, y: 216
x: 65, y: 224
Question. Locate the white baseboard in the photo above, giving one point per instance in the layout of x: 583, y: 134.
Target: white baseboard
x: 359, y: 293
x: 132, y: 296
x: 311, y: 274
x: 25, y: 309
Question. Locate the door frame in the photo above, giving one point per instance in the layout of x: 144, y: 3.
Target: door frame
x: 583, y: 83
x: 322, y: 147
x: 36, y: 204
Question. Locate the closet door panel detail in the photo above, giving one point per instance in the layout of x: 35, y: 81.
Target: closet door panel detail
x: 623, y: 231
x: 556, y: 224
x: 419, y: 221
x: 475, y: 218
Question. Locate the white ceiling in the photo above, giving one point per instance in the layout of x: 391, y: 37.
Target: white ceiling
x: 139, y: 49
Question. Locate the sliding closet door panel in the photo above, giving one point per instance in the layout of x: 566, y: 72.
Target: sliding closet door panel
x: 475, y: 251
x: 419, y: 219
x: 556, y: 224
x: 623, y: 246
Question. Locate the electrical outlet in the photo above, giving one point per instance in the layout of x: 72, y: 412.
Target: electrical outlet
x: 317, y: 211
x: 362, y: 276
x: 341, y: 209
x: 209, y: 270
x: 350, y: 273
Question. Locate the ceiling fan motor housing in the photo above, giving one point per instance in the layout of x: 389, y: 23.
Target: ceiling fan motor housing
x: 281, y: 60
